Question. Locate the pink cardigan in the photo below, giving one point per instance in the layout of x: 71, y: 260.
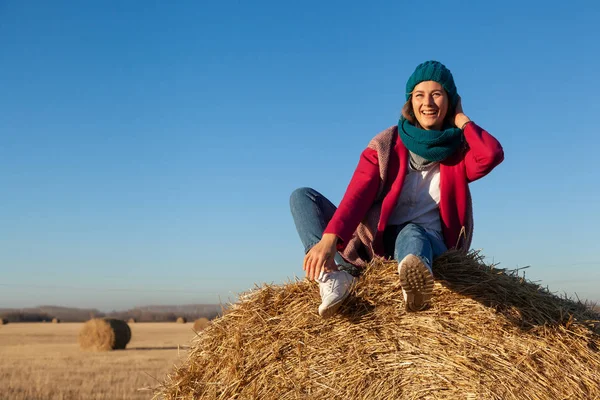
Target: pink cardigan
x: 482, y: 153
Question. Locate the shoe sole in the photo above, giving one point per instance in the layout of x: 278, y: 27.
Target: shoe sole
x: 332, y: 309
x: 417, y: 283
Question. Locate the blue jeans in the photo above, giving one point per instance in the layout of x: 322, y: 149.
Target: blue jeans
x: 402, y: 240
x: 312, y: 212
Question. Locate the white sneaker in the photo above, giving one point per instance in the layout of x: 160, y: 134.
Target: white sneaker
x: 334, y: 288
x: 417, y: 283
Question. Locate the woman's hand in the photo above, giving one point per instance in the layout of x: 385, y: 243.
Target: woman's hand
x: 320, y: 257
x: 460, y: 119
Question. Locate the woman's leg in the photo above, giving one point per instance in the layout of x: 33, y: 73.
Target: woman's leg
x: 312, y: 212
x: 413, y: 239
x: 415, y: 249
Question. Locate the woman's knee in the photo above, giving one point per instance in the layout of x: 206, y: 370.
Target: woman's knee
x: 300, y: 195
x: 411, y: 230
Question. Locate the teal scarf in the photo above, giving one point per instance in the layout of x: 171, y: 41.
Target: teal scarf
x: 431, y: 145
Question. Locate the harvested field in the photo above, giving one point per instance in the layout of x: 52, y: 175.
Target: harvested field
x: 43, y: 361
x: 488, y: 335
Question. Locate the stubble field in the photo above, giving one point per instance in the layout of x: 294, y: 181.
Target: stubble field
x: 40, y: 361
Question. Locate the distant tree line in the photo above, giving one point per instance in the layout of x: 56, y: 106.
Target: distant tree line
x: 150, y: 316
x: 141, y: 314
x: 17, y: 316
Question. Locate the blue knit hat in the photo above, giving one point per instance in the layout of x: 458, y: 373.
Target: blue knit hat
x: 433, y: 71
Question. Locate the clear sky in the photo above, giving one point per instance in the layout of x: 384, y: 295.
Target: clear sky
x: 149, y: 149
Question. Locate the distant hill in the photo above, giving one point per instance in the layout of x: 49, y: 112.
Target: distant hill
x: 153, y: 313
x: 186, y: 308
x: 169, y: 313
x: 46, y: 313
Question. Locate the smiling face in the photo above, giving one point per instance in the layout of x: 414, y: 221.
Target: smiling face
x: 430, y: 105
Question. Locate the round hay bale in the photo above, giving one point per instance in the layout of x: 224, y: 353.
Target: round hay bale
x: 55, y: 321
x: 131, y: 321
x: 3, y: 321
x: 489, y: 334
x: 181, y: 320
x: 201, y: 323
x: 104, y: 334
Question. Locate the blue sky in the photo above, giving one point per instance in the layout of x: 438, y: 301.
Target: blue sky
x: 149, y: 148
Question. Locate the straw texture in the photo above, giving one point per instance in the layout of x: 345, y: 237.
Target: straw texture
x: 489, y: 334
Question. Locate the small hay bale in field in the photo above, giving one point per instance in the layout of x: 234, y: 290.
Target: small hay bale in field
x: 3, y: 321
x: 131, y: 321
x: 55, y: 321
x: 489, y: 334
x: 104, y: 334
x: 201, y: 323
x: 181, y: 320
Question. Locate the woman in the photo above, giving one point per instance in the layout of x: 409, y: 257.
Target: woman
x: 408, y: 198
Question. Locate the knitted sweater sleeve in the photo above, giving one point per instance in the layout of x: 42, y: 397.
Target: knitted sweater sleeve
x: 484, y: 153
x: 357, y: 200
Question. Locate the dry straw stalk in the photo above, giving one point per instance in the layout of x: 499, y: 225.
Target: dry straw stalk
x: 489, y: 334
x: 104, y: 334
